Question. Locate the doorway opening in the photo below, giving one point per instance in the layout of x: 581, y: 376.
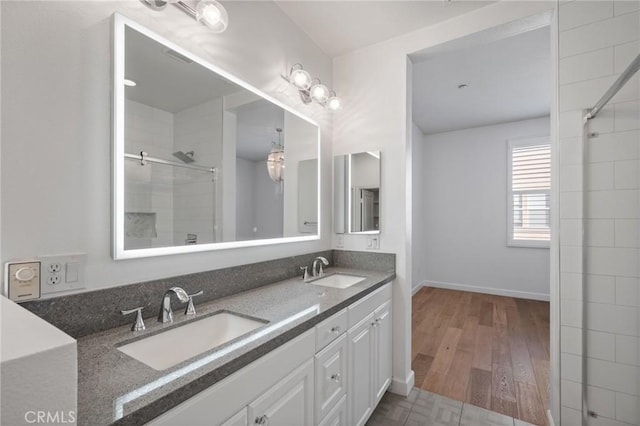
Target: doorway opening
x: 481, y: 228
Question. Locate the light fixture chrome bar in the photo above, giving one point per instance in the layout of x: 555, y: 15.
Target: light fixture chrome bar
x: 619, y: 83
x: 186, y: 8
x: 143, y: 158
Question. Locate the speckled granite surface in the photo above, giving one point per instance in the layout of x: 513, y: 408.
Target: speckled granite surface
x: 369, y: 260
x: 115, y: 388
x: 99, y: 310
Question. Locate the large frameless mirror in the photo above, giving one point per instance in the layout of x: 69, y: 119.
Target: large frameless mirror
x: 202, y: 160
x: 357, y: 193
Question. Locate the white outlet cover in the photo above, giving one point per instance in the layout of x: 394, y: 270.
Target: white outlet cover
x: 54, y: 270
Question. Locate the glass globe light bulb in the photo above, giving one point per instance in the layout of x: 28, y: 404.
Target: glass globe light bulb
x: 213, y: 15
x: 319, y: 93
x: 334, y: 103
x: 300, y: 79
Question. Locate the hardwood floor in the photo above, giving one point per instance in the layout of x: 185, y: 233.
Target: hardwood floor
x: 488, y: 351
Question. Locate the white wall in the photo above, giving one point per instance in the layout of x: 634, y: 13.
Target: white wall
x: 300, y: 144
x: 464, y: 214
x: 245, y: 200
x: 597, y: 42
x: 373, y: 81
x: 56, y: 115
x: 269, y: 204
x: 418, y: 224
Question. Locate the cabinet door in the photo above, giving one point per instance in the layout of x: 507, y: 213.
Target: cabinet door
x: 383, y: 349
x: 331, y: 376
x: 337, y: 416
x: 289, y: 402
x: 360, y: 366
x: 240, y: 419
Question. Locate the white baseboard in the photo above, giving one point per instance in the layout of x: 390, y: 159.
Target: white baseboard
x: 417, y: 288
x: 486, y: 290
x: 403, y: 387
x: 550, y: 418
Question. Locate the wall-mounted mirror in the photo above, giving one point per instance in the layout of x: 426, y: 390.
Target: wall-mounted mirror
x: 357, y: 193
x: 202, y: 160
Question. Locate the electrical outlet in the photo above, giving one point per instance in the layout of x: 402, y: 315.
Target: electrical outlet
x: 340, y: 241
x: 54, y: 279
x: 55, y: 267
x: 63, y: 272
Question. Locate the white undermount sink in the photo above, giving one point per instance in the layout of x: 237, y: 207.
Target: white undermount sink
x: 338, y: 280
x: 168, y: 348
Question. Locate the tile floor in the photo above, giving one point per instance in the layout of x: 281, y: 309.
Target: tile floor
x: 424, y: 408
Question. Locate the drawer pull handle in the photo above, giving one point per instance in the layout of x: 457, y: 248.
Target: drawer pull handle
x: 262, y: 420
x: 335, y: 329
x: 335, y: 377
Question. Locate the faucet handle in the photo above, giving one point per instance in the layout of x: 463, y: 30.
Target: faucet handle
x: 305, y: 272
x: 191, y: 310
x: 138, y: 325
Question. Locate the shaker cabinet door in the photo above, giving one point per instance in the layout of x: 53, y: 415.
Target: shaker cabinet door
x: 289, y: 402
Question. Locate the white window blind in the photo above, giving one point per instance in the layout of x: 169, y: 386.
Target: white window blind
x: 529, y: 192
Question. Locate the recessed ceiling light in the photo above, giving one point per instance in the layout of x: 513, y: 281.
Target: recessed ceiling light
x: 463, y: 86
x: 129, y: 83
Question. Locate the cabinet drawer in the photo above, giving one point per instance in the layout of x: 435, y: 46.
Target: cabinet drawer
x: 365, y: 306
x: 328, y: 330
x: 337, y: 416
x: 331, y: 376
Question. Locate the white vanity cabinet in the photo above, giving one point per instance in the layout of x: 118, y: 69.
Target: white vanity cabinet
x: 331, y: 375
x: 275, y: 385
x: 290, y: 402
x: 369, y: 354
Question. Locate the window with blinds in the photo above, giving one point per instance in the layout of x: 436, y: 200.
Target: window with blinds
x: 529, y: 192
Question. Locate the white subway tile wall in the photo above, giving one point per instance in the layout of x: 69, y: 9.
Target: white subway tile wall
x: 183, y: 200
x: 196, y: 199
x: 149, y: 188
x: 598, y: 40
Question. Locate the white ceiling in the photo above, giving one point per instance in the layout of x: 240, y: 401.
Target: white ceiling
x: 338, y: 27
x: 508, y: 79
x: 165, y: 82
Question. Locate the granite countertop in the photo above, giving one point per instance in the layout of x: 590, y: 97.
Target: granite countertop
x: 115, y: 388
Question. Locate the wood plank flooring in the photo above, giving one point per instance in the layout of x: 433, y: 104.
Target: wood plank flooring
x: 488, y: 351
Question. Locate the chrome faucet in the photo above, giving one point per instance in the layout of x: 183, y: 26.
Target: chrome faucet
x: 166, y: 314
x: 317, y: 271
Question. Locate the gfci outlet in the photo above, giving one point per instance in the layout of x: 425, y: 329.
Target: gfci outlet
x: 63, y: 272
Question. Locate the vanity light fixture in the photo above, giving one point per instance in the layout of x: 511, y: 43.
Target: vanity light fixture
x: 275, y: 159
x: 209, y: 13
x: 312, y: 90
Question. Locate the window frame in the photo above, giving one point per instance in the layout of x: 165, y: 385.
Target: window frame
x: 517, y: 143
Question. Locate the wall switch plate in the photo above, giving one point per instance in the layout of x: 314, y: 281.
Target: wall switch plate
x: 373, y: 242
x: 22, y: 280
x: 63, y: 272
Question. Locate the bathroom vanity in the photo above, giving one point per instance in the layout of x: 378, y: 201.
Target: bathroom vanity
x: 322, y: 356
